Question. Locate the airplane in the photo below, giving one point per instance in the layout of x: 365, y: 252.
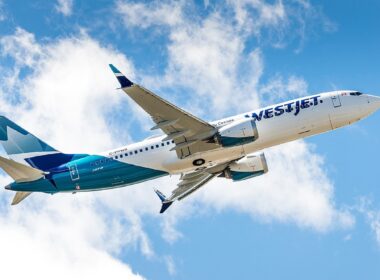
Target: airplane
x: 197, y: 150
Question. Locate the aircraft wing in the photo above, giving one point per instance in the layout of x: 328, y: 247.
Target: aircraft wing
x: 186, y: 130
x: 189, y: 183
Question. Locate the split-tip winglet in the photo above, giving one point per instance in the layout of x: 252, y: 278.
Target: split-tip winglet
x: 165, y: 203
x: 123, y: 80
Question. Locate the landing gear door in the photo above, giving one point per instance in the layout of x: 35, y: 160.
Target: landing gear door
x: 336, y: 101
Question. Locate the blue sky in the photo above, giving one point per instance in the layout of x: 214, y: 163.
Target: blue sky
x: 315, y: 215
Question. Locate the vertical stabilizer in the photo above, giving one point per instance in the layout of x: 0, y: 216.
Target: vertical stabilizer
x: 19, y: 144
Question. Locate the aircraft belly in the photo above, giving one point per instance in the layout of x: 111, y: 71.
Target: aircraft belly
x: 40, y: 185
x: 212, y: 157
x: 114, y: 175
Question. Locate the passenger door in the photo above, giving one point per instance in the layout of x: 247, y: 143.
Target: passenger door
x: 336, y: 101
x: 339, y: 115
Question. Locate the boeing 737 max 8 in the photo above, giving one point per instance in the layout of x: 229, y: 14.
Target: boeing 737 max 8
x: 195, y: 149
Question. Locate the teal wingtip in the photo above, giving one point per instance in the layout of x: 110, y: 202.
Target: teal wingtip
x: 114, y: 69
x: 124, y: 81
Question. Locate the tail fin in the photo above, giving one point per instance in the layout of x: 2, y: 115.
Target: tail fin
x: 19, y: 144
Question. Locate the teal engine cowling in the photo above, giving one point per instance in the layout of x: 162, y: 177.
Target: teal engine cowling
x: 237, y: 133
x: 248, y: 167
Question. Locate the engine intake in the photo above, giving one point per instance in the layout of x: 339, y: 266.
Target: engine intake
x: 238, y: 133
x: 250, y: 166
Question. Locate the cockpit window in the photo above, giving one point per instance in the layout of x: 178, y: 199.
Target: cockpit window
x: 356, y: 93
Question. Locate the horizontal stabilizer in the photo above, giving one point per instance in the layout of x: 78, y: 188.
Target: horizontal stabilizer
x: 20, y: 172
x: 20, y: 196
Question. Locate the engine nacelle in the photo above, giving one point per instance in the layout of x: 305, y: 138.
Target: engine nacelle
x: 238, y: 133
x: 250, y: 166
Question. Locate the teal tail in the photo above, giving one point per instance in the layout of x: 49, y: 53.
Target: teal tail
x: 25, y: 148
x: 17, y: 140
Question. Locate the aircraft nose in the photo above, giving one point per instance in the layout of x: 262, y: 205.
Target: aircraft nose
x: 374, y: 101
x: 7, y: 187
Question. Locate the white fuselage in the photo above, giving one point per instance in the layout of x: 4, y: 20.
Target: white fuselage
x: 276, y: 124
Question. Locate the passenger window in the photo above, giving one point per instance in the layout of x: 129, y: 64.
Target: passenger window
x: 136, y: 152
x: 116, y: 157
x: 152, y: 147
x: 141, y: 150
x: 126, y: 154
x: 173, y: 141
x: 168, y: 143
x: 157, y: 146
x: 121, y: 156
x: 162, y: 144
x: 146, y: 148
x: 130, y: 153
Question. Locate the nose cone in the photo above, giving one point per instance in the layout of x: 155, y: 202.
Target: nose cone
x: 374, y: 102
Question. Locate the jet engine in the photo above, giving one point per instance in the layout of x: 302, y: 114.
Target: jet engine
x: 237, y: 133
x: 249, y: 166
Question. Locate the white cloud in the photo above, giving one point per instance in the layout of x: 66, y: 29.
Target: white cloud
x: 65, y: 7
x: 372, y: 216
x: 67, y: 239
x: 253, y: 15
x: 374, y: 220
x: 278, y: 89
x: 2, y: 12
x: 67, y: 98
x: 70, y: 90
x: 155, y: 13
x: 170, y: 265
x: 22, y: 47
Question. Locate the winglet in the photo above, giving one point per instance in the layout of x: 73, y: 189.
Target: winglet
x: 124, y: 82
x: 165, y: 203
